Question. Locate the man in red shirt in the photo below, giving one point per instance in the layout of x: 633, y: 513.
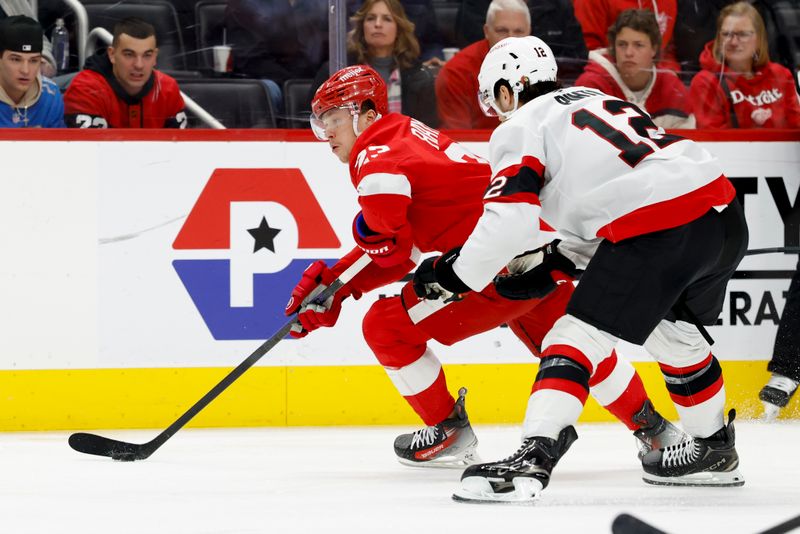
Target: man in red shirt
x: 120, y: 87
x: 627, y: 71
x: 457, y: 82
x: 596, y: 16
x: 421, y: 192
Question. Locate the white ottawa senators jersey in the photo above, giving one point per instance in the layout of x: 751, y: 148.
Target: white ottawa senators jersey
x: 592, y: 166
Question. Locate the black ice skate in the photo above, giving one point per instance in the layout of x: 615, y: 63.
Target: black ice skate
x: 776, y: 395
x: 710, y: 461
x: 451, y: 443
x: 655, y: 432
x: 519, y: 478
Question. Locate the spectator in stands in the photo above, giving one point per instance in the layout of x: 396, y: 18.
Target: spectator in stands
x: 627, y: 70
x: 596, y: 16
x: 121, y: 88
x: 553, y: 21
x: 457, y: 83
x: 26, y: 98
x: 10, y: 8
x: 383, y: 38
x: 739, y: 87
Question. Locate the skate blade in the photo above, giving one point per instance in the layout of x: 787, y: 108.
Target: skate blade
x: 478, y: 490
x: 718, y: 479
x: 445, y: 462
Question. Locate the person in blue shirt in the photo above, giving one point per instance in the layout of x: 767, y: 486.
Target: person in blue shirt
x: 27, y: 99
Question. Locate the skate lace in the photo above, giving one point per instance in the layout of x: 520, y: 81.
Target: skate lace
x: 424, y: 437
x: 783, y: 383
x: 683, y: 453
x: 516, y: 459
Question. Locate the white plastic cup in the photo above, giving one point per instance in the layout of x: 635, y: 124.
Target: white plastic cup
x: 449, y: 53
x: 222, y: 54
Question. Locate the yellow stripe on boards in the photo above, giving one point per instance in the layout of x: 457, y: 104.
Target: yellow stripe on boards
x: 301, y: 396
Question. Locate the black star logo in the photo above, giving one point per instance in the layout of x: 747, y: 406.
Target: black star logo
x: 264, y: 236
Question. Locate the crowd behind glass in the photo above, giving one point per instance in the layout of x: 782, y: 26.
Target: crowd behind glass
x: 667, y: 57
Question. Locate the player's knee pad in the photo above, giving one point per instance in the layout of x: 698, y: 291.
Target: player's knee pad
x: 677, y: 344
x: 391, y: 335
x: 578, y: 340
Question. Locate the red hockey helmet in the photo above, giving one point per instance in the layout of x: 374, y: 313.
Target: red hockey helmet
x: 349, y: 88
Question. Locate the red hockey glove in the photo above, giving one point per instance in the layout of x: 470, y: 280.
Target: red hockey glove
x: 384, y: 249
x: 435, y: 279
x: 312, y: 316
x: 536, y: 274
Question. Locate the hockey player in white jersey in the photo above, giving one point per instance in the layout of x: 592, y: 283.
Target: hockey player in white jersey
x: 667, y: 233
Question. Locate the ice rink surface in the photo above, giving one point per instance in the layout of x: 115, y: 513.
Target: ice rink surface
x: 346, y: 480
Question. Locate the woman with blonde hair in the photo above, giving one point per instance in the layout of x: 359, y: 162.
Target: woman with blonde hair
x: 383, y: 38
x: 739, y: 87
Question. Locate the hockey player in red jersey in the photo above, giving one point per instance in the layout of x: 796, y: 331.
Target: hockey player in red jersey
x: 668, y: 234
x: 421, y: 192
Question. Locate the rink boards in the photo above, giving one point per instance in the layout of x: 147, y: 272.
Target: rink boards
x: 132, y: 281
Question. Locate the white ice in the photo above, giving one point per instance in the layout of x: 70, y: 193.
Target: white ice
x: 346, y: 480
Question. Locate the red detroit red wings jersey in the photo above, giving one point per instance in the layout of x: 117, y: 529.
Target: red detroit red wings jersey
x: 91, y: 102
x: 410, y: 177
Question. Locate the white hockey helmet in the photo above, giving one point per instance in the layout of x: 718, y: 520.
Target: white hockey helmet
x: 521, y: 61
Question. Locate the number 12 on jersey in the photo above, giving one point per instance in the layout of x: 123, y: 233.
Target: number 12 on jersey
x: 626, y: 127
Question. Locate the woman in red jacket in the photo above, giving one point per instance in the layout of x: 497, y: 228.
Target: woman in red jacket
x: 739, y: 87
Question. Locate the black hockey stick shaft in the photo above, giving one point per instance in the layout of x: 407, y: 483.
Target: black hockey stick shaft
x: 628, y: 524
x: 786, y: 526
x: 120, y: 450
x: 781, y: 250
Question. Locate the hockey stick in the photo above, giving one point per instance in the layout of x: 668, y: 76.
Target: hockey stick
x: 786, y: 526
x: 627, y: 524
x: 783, y: 250
x: 121, y: 450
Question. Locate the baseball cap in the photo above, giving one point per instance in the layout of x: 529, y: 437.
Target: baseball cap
x: 21, y: 34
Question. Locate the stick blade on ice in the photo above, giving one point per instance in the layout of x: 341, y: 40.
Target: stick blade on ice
x: 101, y: 446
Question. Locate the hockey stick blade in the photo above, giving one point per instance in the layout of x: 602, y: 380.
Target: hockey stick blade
x: 627, y: 524
x: 123, y: 451
x: 100, y: 446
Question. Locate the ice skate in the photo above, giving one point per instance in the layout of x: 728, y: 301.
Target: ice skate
x: 710, y: 461
x: 776, y: 395
x: 451, y: 443
x: 655, y: 432
x: 519, y: 478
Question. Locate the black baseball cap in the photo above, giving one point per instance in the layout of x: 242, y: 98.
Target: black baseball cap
x: 21, y: 34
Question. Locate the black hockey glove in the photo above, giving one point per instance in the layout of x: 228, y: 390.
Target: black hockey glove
x: 435, y: 279
x: 536, y: 274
